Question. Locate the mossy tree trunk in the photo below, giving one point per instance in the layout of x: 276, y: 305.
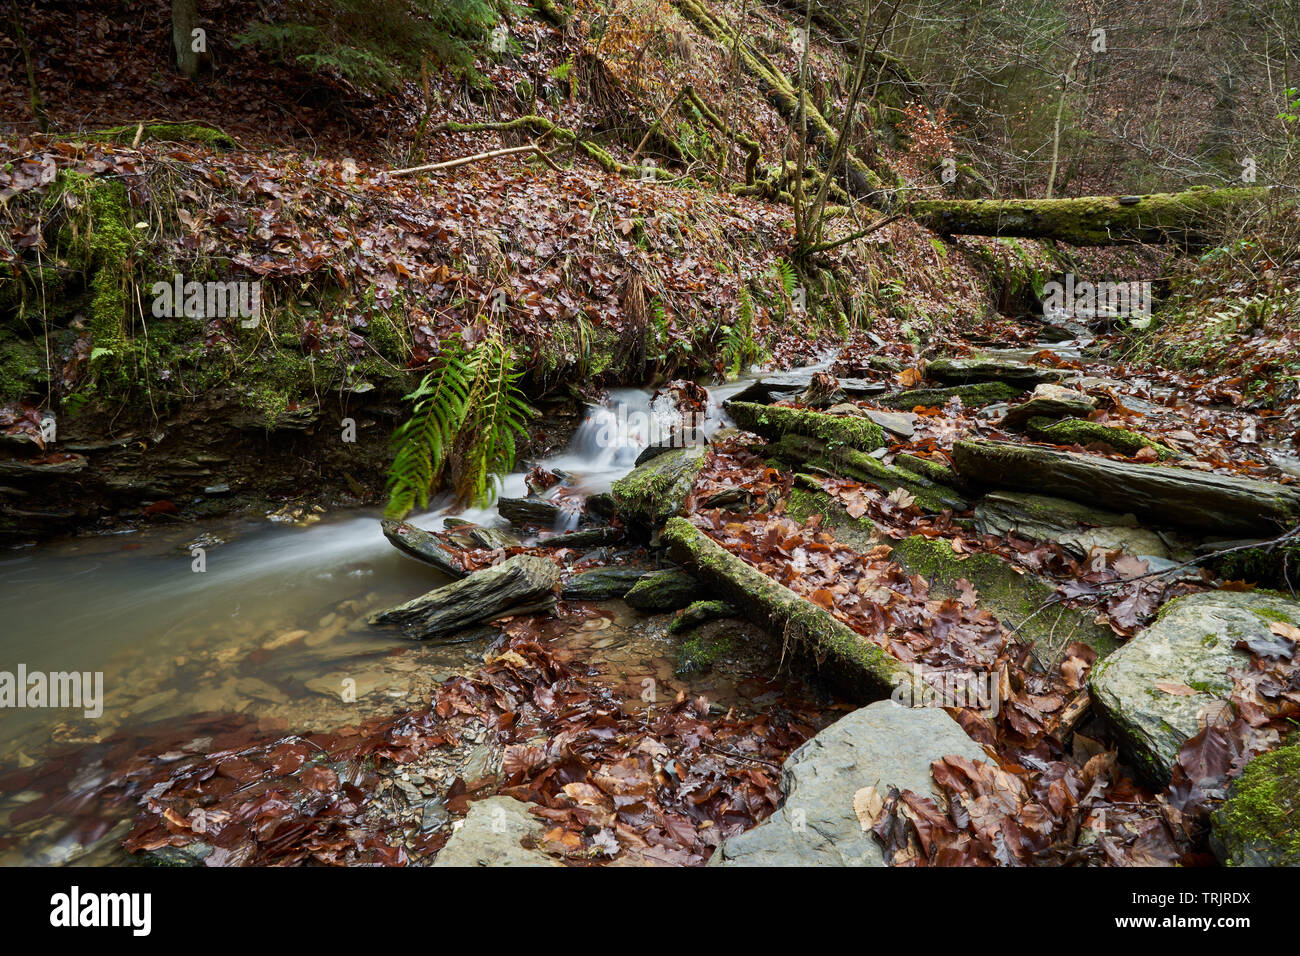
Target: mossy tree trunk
x: 1186, y: 218
x: 185, y: 19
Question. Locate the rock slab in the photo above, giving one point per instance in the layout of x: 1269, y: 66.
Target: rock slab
x: 498, y: 831
x: 883, y: 745
x: 1142, y: 688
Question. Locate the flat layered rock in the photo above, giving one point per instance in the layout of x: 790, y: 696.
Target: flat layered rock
x: 773, y: 388
x: 602, y: 584
x: 962, y: 371
x: 1162, y: 495
x: 884, y: 745
x: 1050, y: 403
x: 535, y: 512
x: 1076, y: 527
x: 523, y: 584
x: 1158, y: 689
x: 972, y: 396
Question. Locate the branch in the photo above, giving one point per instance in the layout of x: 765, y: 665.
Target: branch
x: 490, y: 154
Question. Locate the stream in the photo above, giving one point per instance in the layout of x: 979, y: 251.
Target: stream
x: 273, y: 628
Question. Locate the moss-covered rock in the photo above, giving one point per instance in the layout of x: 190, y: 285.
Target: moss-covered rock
x: 1080, y: 431
x: 22, y: 369
x: 773, y: 421
x: 965, y: 371
x: 1050, y: 402
x: 661, y: 591
x: 701, y: 649
x: 1258, y: 825
x: 940, y: 474
x: 1015, y: 599
x: 972, y: 396
x: 657, y: 490
x: 601, y: 584
x: 851, y: 463
x: 1277, y: 568
x: 700, y: 612
x: 807, y: 499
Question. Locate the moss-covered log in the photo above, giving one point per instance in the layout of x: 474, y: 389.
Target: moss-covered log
x: 1184, y: 218
x: 864, y: 670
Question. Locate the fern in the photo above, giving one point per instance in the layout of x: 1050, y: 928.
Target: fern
x: 739, y: 345
x: 467, y: 414
x: 786, y: 276
x: 423, y: 442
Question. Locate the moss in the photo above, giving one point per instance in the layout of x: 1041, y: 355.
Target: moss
x: 700, y: 612
x: 22, y: 370
x: 1278, y: 569
x: 168, y: 133
x: 972, y: 396
x: 1257, y: 825
x: 772, y: 421
x: 700, y: 652
x: 1079, y: 431
x: 1014, y: 598
x: 806, y: 499
x: 927, y: 468
x: 661, y: 591
x: 851, y: 463
x: 656, y: 490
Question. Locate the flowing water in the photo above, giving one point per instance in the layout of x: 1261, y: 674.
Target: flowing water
x: 273, y: 627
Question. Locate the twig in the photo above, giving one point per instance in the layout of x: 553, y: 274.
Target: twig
x: 879, y: 224
x: 490, y: 154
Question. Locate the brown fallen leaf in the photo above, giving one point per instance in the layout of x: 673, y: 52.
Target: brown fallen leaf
x: 869, y: 806
x: 1178, y: 690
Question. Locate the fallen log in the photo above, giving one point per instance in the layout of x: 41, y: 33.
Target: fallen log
x: 1164, y: 495
x: 864, y: 670
x: 523, y: 584
x: 1089, y: 220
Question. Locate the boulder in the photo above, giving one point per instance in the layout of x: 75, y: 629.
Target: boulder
x: 1158, y: 688
x: 683, y: 438
x: 884, y: 745
x: 967, y: 370
x: 1259, y: 823
x: 773, y: 422
x: 601, y: 584
x: 498, y: 831
x: 656, y: 491
x: 662, y: 591
x: 537, y: 512
x: 1050, y: 402
x: 423, y: 546
x: 1162, y: 495
x: 523, y: 584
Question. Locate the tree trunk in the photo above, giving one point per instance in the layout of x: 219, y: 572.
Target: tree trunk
x: 1186, y: 218
x: 185, y: 19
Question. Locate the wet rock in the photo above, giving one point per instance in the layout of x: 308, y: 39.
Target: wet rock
x: 661, y: 591
x: 967, y: 370
x: 1162, y: 495
x: 685, y: 438
x: 701, y: 612
x: 1050, y: 402
x: 587, y: 538
x: 782, y: 385
x: 602, y: 584
x: 1076, y: 527
x: 523, y: 584
x: 498, y: 831
x: 1191, y: 647
x: 1258, y: 825
x: 972, y: 396
x: 537, y: 512
x: 884, y: 745
x: 423, y: 546
x: 773, y: 422
x: 657, y: 490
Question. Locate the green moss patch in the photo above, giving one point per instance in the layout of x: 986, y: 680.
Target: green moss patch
x: 972, y: 396
x: 1079, y: 431
x: 1258, y: 824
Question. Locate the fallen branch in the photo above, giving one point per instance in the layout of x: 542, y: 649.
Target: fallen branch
x: 477, y: 157
x: 862, y: 234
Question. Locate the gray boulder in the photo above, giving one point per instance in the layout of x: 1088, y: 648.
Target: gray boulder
x: 883, y: 745
x: 1158, y: 688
